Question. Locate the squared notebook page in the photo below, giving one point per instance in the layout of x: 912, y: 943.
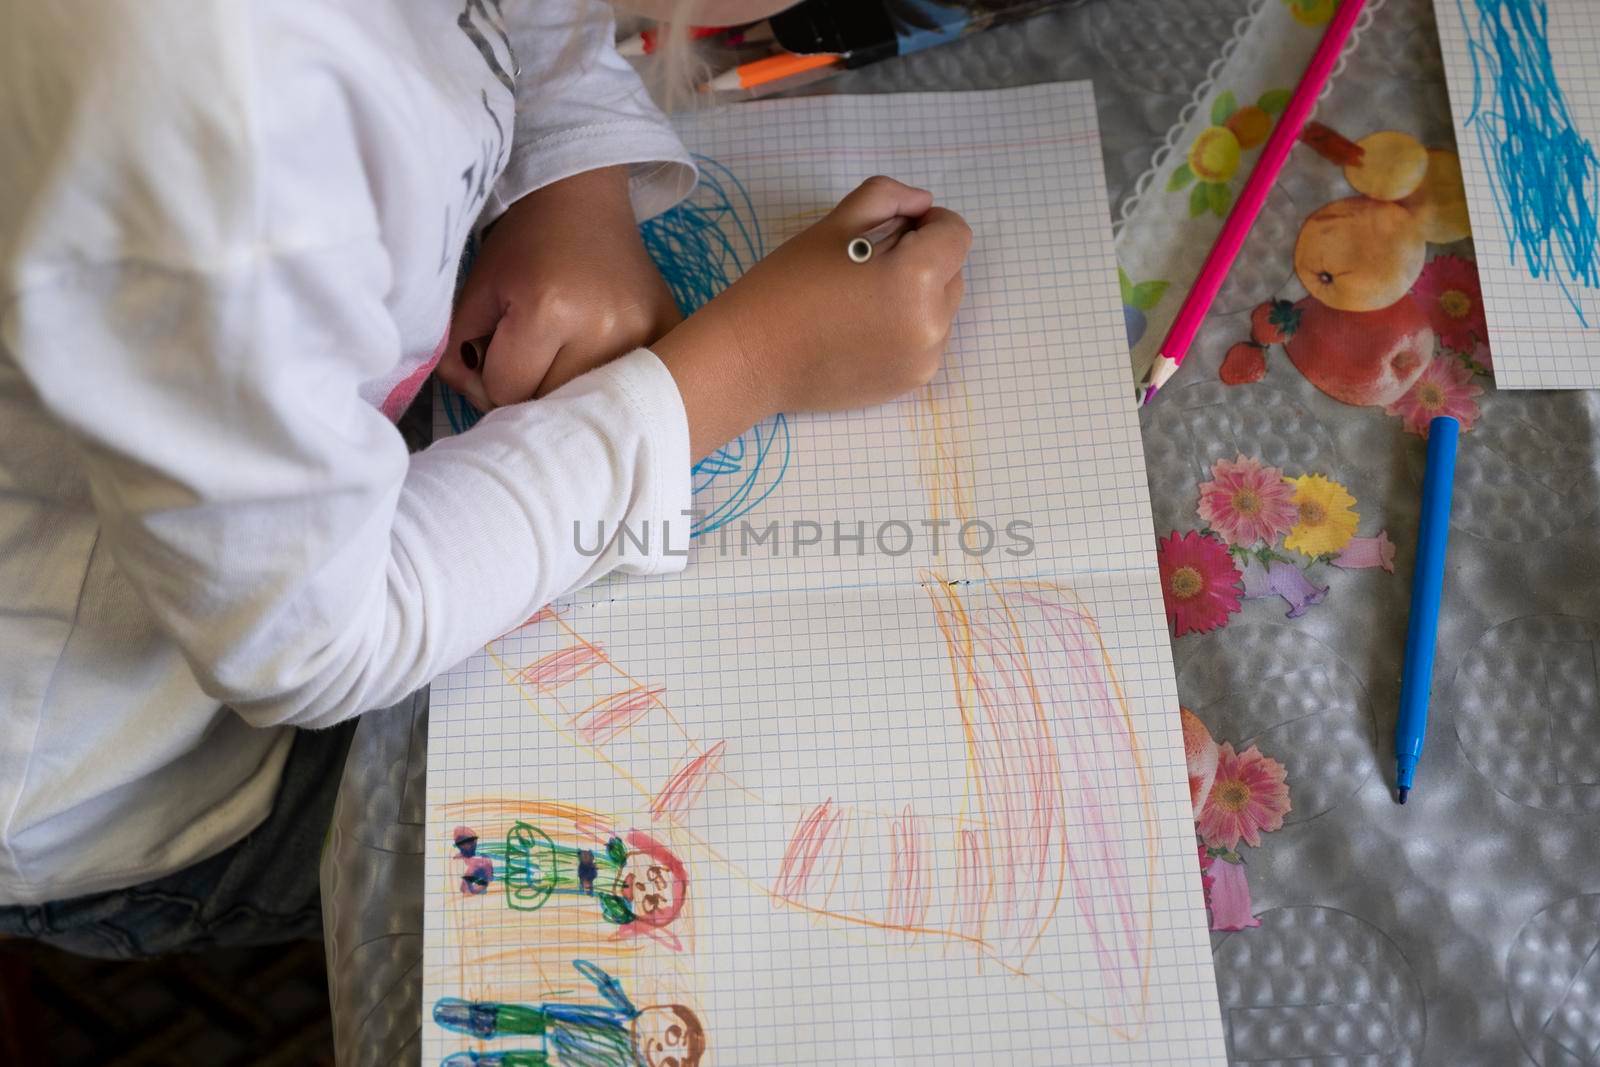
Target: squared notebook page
x: 865, y: 801
x: 1524, y: 81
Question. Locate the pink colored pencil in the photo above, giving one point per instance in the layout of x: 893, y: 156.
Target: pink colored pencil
x: 1251, y: 198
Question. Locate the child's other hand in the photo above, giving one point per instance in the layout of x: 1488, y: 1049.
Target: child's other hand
x: 809, y: 329
x: 563, y: 284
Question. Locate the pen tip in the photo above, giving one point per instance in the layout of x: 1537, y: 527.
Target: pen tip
x: 1403, y: 791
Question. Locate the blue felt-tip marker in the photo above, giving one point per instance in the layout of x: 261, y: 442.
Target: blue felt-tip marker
x: 1427, y: 586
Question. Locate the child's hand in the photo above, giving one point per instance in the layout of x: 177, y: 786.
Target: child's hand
x: 563, y: 284
x: 808, y: 329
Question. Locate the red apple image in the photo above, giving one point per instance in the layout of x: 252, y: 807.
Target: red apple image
x: 1367, y: 358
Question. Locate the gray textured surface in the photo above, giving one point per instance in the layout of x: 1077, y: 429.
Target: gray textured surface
x: 1462, y: 929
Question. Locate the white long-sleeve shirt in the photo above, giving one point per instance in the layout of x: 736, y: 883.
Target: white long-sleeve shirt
x: 229, y: 233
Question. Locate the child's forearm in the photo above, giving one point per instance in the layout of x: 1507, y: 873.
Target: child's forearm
x: 723, y: 395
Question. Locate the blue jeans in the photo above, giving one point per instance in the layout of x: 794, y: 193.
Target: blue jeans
x: 259, y: 891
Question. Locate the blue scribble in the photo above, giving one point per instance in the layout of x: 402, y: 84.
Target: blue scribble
x: 700, y: 246
x: 1545, y: 173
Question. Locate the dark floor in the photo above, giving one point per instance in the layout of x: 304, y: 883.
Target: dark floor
x: 220, y: 1009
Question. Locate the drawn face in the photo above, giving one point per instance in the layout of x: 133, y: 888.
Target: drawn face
x: 668, y: 1035
x: 651, y: 890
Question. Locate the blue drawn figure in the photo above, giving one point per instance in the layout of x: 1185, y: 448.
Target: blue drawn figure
x: 700, y: 246
x: 1545, y: 174
x: 608, y: 1033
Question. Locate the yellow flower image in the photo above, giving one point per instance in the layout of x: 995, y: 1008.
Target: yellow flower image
x: 1327, y: 516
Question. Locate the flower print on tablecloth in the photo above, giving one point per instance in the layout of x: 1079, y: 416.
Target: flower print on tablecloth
x: 1264, y: 536
x: 1214, y: 156
x: 1199, y: 582
x: 1382, y: 324
x: 1245, y: 795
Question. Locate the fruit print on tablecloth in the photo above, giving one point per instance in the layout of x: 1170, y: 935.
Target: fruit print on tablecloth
x: 1214, y: 156
x: 1382, y: 324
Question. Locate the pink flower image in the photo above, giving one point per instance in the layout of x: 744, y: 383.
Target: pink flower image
x: 1248, y: 797
x: 1199, y: 582
x: 1365, y: 552
x: 1445, y: 388
x: 1246, y: 502
x: 1448, y: 291
x: 1230, y: 897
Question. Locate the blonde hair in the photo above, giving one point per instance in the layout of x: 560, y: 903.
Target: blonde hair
x: 676, y: 68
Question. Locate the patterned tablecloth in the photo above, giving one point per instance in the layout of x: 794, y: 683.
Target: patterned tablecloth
x: 1285, y: 465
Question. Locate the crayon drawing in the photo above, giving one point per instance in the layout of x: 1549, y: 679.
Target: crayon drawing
x: 886, y: 806
x: 1544, y: 172
x: 1037, y: 842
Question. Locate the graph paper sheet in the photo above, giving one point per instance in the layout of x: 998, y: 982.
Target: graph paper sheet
x: 1525, y: 91
x: 863, y: 802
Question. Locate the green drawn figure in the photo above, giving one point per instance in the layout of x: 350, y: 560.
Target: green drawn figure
x: 636, y: 880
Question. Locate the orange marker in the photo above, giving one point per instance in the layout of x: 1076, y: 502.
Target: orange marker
x: 771, y: 69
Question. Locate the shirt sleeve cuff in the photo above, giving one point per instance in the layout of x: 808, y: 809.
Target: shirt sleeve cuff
x: 661, y: 172
x: 651, y: 394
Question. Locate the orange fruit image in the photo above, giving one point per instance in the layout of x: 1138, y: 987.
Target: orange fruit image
x: 1359, y: 254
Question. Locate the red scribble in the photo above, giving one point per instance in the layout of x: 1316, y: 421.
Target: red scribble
x: 561, y: 666
x: 908, y: 898
x: 684, y: 788
x: 971, y: 884
x: 1019, y: 768
x: 806, y: 845
x: 605, y: 719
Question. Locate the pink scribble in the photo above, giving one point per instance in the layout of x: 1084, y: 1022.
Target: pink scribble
x: 908, y: 891
x: 684, y: 788
x: 806, y: 846
x: 561, y: 666
x: 1052, y: 754
x: 607, y: 718
x: 971, y: 885
x: 1095, y: 731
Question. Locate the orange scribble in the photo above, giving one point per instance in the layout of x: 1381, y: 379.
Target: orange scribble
x: 684, y: 788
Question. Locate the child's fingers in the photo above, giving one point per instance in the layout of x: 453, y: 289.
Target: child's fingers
x: 475, y: 317
x: 941, y: 239
x: 953, y: 292
x: 520, y: 355
x: 877, y: 200
x: 454, y: 372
